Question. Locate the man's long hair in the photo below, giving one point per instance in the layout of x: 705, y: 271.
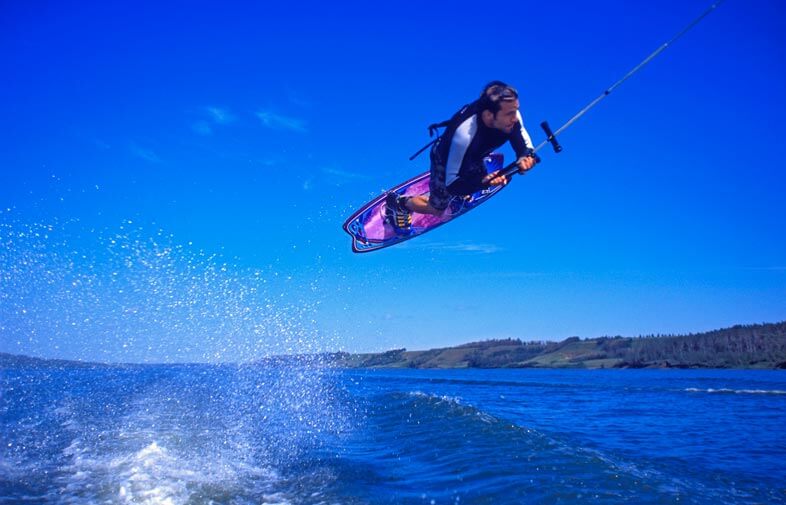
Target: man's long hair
x: 494, y: 93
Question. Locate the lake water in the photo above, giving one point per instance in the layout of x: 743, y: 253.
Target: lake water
x: 307, y: 434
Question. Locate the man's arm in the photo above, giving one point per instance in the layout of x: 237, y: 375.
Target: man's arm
x: 520, y: 139
x: 522, y: 145
x: 459, y: 143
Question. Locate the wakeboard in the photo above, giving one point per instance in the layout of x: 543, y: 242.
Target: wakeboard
x: 370, y: 231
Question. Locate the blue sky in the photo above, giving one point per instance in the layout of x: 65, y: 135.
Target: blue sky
x: 232, y: 141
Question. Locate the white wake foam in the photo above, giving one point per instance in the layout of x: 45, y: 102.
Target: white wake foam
x: 737, y: 391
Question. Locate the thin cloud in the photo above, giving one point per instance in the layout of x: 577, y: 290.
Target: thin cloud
x: 219, y: 115
x: 460, y: 247
x: 278, y: 122
x: 344, y: 174
x: 144, y: 153
x: 101, y: 144
x: 202, y: 128
x: 472, y: 248
x: 213, y: 116
x: 298, y: 101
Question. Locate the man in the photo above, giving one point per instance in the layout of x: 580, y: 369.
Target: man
x: 457, y: 167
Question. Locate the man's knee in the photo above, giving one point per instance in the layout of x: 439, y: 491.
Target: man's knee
x: 438, y: 204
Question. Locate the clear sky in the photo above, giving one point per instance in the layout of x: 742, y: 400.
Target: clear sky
x: 174, y: 175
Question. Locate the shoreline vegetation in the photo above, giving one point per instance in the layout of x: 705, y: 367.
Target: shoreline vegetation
x: 755, y: 346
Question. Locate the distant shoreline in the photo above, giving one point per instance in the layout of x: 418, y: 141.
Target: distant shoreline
x: 758, y: 346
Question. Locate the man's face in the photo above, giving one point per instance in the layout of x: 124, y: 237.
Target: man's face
x: 506, y: 117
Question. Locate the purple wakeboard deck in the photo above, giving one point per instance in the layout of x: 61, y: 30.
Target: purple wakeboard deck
x: 370, y: 232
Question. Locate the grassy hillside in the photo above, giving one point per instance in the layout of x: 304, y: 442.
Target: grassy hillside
x: 750, y: 346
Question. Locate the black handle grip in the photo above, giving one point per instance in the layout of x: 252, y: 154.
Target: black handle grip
x: 550, y: 137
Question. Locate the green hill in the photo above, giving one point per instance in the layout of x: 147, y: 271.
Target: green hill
x: 743, y: 346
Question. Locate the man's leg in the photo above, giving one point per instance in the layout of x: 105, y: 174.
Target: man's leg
x: 421, y: 205
x: 399, y: 207
x: 438, y: 198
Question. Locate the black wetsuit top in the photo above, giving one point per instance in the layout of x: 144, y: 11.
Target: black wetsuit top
x: 466, y: 141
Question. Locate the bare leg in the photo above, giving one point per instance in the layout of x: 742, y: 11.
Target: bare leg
x: 420, y: 205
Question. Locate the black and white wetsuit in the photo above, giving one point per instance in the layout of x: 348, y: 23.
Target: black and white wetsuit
x: 457, y: 167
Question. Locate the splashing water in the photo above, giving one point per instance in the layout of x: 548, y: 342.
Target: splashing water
x: 157, y: 433
x: 134, y: 296
x: 168, y: 434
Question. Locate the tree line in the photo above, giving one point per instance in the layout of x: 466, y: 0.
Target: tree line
x: 738, y: 346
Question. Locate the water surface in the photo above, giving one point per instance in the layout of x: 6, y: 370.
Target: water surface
x: 308, y: 434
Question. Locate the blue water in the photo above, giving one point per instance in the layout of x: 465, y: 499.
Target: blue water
x: 307, y: 434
